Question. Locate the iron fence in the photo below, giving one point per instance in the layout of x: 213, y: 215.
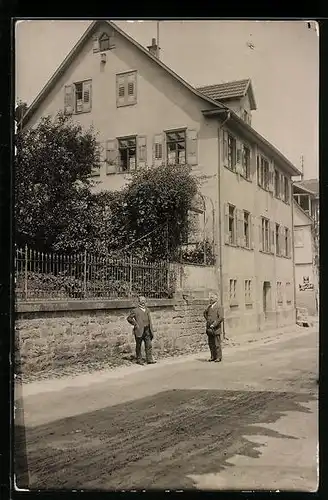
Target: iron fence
x: 54, y: 276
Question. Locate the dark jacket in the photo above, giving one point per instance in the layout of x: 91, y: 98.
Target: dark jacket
x: 137, y: 319
x: 214, y: 318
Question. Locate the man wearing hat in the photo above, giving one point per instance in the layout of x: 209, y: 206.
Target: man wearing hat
x: 140, y: 318
x: 214, y: 317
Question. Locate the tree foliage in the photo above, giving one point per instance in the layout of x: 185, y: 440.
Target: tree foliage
x: 53, y: 165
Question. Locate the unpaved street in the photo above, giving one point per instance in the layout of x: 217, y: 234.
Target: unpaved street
x: 249, y: 422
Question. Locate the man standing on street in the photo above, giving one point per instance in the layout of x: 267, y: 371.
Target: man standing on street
x: 214, y: 317
x: 140, y: 318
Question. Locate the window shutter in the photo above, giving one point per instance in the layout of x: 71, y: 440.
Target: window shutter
x: 95, y: 41
x: 131, y: 88
x: 226, y: 223
x: 252, y: 166
x: 142, y: 151
x: 281, y: 241
x: 289, y: 244
x: 240, y: 228
x: 158, y: 150
x: 192, y: 147
x: 69, y: 99
x: 258, y: 168
x: 225, y: 147
x: 121, y: 90
x: 260, y: 234
x: 87, y: 87
x: 281, y: 187
x: 271, y: 177
x: 272, y: 237
x: 251, y: 232
x: 111, y: 156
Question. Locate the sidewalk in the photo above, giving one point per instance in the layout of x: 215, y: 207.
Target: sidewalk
x: 239, y: 342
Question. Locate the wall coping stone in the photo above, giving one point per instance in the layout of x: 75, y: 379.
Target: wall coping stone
x: 95, y: 304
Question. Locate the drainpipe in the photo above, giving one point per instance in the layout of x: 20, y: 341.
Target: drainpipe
x: 293, y: 255
x: 219, y: 214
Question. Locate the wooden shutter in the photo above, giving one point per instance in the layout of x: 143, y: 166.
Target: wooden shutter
x: 260, y: 233
x: 158, y: 150
x: 69, y: 99
x: 95, y: 42
x: 289, y: 244
x: 142, y: 151
x: 251, y: 232
x: 111, y: 156
x: 271, y: 177
x: 131, y: 87
x: 252, y: 166
x: 281, y: 240
x: 226, y: 223
x: 272, y: 237
x: 225, y: 147
x: 240, y: 227
x: 121, y: 90
x: 192, y: 147
x: 86, y: 92
x: 258, y: 169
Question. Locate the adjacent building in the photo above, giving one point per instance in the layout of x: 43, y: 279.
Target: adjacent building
x: 147, y: 115
x: 306, y: 243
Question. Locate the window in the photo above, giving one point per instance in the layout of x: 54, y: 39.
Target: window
x: 279, y: 293
x: 276, y: 183
x: 232, y: 153
x: 126, y: 88
x: 233, y: 292
x: 298, y: 238
x: 286, y: 189
x: 82, y: 92
x: 104, y: 42
x: 265, y: 235
x: 232, y: 225
x: 287, y: 249
x: 246, y: 162
x: 248, y: 292
x: 288, y: 293
x: 246, y: 229
x: 127, y: 148
x: 277, y: 238
x: 262, y: 172
x: 304, y: 202
x: 176, y: 147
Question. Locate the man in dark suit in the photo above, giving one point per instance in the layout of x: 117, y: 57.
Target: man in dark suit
x: 214, y: 318
x: 140, y: 318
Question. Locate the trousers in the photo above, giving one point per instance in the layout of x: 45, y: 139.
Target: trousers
x: 214, y: 343
x: 147, y: 339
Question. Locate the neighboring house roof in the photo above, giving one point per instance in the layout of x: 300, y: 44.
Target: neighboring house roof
x: 229, y: 90
x: 217, y: 107
x: 309, y: 185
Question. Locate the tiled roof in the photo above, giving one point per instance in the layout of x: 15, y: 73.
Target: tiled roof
x: 228, y: 90
x: 309, y: 185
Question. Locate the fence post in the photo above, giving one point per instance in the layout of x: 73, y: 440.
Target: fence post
x: 85, y: 275
x: 130, y: 275
x: 26, y: 270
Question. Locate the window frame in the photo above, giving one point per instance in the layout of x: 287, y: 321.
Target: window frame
x: 176, y: 142
x: 125, y: 76
x: 88, y: 102
x: 233, y: 300
x: 263, y: 174
x: 248, y: 296
x: 119, y: 165
x: 247, y: 237
x: 280, y: 299
x: 265, y: 232
x: 246, y: 168
x: 231, y: 152
x: 232, y: 241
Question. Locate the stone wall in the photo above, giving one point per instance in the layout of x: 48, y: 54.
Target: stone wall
x: 58, y: 334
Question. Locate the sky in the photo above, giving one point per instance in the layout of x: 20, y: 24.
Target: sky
x: 280, y: 57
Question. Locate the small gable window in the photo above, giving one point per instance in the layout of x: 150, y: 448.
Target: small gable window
x: 104, y: 42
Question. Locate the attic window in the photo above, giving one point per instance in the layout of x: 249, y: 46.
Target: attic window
x: 104, y: 43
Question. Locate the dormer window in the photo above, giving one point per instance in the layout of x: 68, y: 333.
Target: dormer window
x: 104, y: 42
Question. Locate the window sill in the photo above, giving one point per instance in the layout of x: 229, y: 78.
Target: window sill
x: 246, y: 248
x: 234, y: 245
x: 249, y: 305
x: 81, y: 112
x: 266, y: 252
x: 234, y: 304
x: 233, y: 170
x: 126, y: 104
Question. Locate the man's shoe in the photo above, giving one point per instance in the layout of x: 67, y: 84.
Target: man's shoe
x: 211, y: 359
x: 151, y: 362
x: 218, y: 360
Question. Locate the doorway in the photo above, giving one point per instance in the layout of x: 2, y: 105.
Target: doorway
x: 266, y: 297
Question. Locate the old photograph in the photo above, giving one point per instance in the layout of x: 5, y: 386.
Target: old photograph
x: 166, y: 260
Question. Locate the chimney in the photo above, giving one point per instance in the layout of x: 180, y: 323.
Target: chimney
x: 153, y: 48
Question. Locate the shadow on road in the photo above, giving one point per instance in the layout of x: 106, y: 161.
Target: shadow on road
x: 154, y: 441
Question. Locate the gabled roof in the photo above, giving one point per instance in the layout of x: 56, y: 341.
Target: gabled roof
x: 310, y: 186
x: 217, y: 108
x: 229, y: 90
x: 90, y: 30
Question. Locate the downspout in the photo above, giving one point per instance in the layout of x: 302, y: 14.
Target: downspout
x: 219, y: 214
x: 293, y: 254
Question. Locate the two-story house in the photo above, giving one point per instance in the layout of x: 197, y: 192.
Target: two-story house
x: 306, y: 242
x: 147, y: 115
